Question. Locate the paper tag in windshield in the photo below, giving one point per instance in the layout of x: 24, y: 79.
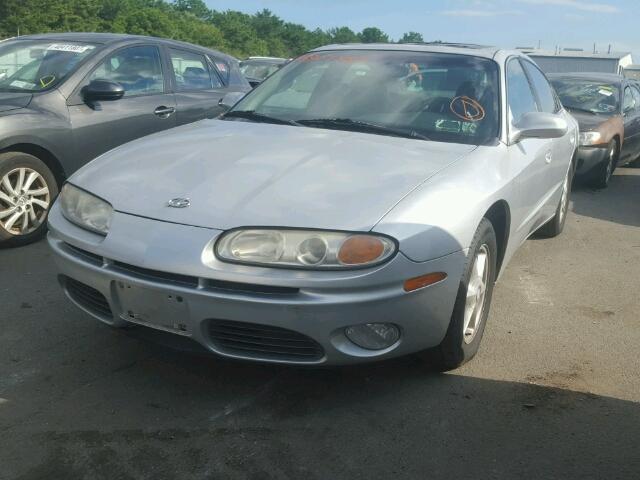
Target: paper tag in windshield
x: 21, y: 84
x: 61, y: 47
x: 607, y: 93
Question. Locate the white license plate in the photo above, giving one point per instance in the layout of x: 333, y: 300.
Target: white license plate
x: 153, y: 308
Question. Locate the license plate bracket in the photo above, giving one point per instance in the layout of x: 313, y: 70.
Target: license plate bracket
x: 153, y: 308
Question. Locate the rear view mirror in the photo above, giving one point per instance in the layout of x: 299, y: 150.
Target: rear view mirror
x: 539, y: 125
x: 102, y: 90
x: 230, y: 99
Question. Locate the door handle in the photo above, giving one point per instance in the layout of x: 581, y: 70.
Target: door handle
x: 548, y: 157
x: 164, y: 112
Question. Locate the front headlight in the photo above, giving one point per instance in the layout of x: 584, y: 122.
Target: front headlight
x: 311, y: 249
x: 85, y: 210
x: 590, y: 138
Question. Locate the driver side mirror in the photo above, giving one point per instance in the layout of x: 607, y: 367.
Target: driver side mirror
x: 538, y: 125
x: 230, y: 99
x: 102, y: 90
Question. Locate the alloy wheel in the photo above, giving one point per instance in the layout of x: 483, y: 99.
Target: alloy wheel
x: 24, y: 201
x: 476, y: 293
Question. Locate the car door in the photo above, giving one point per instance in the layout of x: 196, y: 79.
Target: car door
x: 197, y: 85
x: 631, y: 147
x: 145, y: 108
x: 560, y: 151
x: 529, y: 157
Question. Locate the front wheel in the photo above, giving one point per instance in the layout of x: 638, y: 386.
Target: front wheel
x: 471, y: 309
x: 603, y: 172
x: 27, y: 190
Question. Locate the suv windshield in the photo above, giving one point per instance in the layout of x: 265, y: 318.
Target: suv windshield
x: 33, y: 66
x: 587, y: 95
x: 442, y: 97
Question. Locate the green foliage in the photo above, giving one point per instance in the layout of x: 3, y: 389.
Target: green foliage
x: 192, y: 21
x: 411, y: 37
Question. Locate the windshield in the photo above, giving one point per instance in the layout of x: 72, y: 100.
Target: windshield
x: 256, y: 70
x: 36, y: 65
x: 442, y: 97
x: 594, y: 97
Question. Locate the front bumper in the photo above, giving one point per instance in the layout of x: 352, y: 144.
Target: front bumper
x: 200, y: 292
x: 589, y: 158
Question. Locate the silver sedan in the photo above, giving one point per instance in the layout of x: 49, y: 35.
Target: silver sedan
x: 359, y: 205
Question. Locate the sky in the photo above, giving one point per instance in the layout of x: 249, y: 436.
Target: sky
x: 504, y: 23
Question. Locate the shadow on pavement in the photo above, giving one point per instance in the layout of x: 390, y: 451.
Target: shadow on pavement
x: 619, y: 203
x: 188, y: 416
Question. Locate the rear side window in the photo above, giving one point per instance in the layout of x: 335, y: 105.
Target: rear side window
x: 520, y: 96
x: 192, y: 71
x: 635, y: 91
x: 137, y: 69
x: 546, y: 98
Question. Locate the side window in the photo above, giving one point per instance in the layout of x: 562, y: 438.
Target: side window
x: 520, y: 96
x: 191, y: 71
x: 222, y: 67
x: 137, y: 69
x: 628, y: 102
x: 635, y: 91
x: 541, y: 85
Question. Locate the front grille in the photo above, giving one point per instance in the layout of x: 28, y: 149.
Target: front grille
x: 249, y: 288
x: 263, y: 341
x: 88, y: 256
x: 156, y: 275
x: 88, y: 297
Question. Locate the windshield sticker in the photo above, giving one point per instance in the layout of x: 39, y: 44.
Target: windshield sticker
x: 467, y: 109
x: 47, y: 80
x: 604, y: 92
x: 21, y: 84
x: 222, y: 67
x: 59, y: 47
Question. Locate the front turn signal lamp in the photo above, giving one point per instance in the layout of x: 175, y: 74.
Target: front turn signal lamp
x: 306, y: 249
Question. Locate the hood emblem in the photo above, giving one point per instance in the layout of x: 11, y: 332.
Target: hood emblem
x: 179, y: 203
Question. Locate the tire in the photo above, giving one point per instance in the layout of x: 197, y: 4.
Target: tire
x: 555, y: 226
x: 602, y: 174
x: 16, y: 170
x: 465, y: 331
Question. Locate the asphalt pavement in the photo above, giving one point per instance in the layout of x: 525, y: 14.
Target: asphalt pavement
x: 553, y: 394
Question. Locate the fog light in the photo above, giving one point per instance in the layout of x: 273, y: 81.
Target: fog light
x: 373, y: 336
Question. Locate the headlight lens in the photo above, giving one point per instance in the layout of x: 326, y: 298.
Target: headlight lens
x: 313, y: 249
x: 85, y: 210
x: 590, y: 138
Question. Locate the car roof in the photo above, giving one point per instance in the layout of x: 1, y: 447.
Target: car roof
x: 113, y: 38
x: 435, y: 47
x: 594, y: 76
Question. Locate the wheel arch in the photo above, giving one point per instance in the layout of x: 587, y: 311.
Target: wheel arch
x: 499, y: 214
x: 43, y: 154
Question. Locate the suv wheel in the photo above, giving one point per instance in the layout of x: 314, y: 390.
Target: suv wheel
x: 27, y: 190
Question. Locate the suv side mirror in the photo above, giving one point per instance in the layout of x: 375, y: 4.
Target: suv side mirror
x: 230, y: 99
x: 539, y: 125
x: 102, y: 90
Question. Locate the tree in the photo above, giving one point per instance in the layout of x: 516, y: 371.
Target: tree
x: 197, y: 8
x: 373, y: 35
x: 343, y: 35
x: 411, y: 37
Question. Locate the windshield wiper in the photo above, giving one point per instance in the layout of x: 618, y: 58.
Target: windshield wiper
x: 259, y: 117
x: 578, y: 109
x: 360, y: 126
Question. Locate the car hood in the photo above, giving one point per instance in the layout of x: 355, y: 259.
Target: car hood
x: 13, y: 101
x: 238, y: 173
x: 588, y: 121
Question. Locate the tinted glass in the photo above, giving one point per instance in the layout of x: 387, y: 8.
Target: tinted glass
x: 37, y: 66
x: 628, y: 102
x: 635, y: 90
x: 137, y: 69
x: 543, y: 89
x: 449, y: 98
x: 520, y: 96
x: 581, y: 94
x: 191, y: 71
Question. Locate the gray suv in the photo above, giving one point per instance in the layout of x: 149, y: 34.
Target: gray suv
x: 67, y: 98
